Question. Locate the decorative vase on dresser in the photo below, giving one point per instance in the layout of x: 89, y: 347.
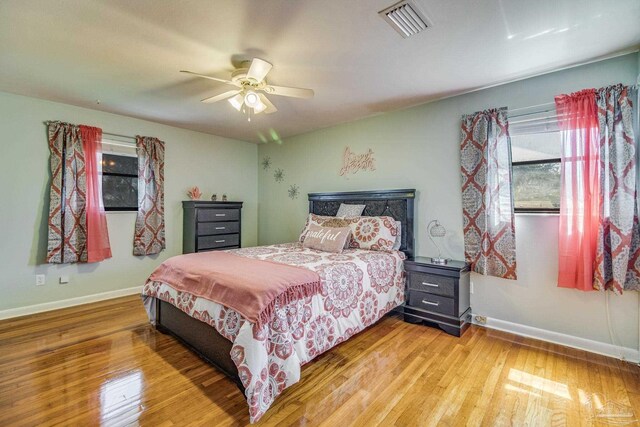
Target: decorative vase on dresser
x: 210, y: 226
x: 438, y: 294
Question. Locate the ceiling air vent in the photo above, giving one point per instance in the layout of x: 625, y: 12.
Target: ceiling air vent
x: 405, y: 18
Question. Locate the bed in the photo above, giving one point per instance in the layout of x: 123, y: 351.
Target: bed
x: 358, y: 288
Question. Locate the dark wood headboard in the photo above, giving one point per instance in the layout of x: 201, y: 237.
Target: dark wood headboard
x: 394, y: 203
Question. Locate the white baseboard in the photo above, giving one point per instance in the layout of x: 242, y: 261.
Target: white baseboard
x: 623, y: 353
x: 71, y: 302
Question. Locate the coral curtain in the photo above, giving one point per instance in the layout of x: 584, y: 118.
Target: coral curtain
x: 149, y: 232
x: 617, y: 263
x: 580, y: 186
x: 487, y: 195
x: 67, y: 235
x: 98, y: 247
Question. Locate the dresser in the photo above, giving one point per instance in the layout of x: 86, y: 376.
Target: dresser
x: 438, y: 294
x: 211, y: 226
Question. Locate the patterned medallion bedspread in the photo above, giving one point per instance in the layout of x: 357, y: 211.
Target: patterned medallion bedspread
x: 358, y: 288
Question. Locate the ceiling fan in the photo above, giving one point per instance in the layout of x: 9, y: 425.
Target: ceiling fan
x: 249, y: 84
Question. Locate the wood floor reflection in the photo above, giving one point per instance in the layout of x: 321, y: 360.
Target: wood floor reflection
x: 104, y: 364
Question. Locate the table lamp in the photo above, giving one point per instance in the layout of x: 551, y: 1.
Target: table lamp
x: 437, y: 231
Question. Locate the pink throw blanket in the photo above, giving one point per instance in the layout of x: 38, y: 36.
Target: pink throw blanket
x: 249, y: 286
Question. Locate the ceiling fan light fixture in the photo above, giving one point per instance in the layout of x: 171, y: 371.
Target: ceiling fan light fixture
x: 237, y: 101
x: 259, y: 108
x: 251, y: 99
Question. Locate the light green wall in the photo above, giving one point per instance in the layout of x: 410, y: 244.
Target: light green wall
x: 416, y: 148
x: 419, y: 148
x: 213, y: 163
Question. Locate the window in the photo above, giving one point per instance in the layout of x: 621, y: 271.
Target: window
x: 535, y: 157
x: 119, y: 179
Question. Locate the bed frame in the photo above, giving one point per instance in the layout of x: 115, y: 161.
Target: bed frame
x: 205, y: 341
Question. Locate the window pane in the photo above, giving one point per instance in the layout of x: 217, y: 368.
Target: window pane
x: 535, y: 146
x: 112, y: 163
x: 120, y: 192
x: 536, y: 186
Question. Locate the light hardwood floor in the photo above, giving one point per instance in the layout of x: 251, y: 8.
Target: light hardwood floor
x: 104, y: 364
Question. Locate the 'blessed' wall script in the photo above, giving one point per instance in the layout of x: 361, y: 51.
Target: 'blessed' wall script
x: 352, y: 162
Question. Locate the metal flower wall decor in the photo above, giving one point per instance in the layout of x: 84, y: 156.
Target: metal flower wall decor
x: 266, y: 163
x: 278, y: 175
x: 294, y: 191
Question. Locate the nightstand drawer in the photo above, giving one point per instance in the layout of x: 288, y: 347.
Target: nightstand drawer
x: 431, y: 283
x: 430, y: 302
x: 221, y: 241
x: 210, y: 228
x: 218, y: 214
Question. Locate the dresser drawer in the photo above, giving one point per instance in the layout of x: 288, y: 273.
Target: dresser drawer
x: 432, y: 283
x: 218, y: 214
x: 219, y: 249
x: 430, y: 302
x: 212, y: 228
x: 221, y: 241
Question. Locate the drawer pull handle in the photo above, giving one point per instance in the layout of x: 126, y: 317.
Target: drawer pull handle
x: 433, y: 285
x: 219, y: 228
x: 424, y: 301
x: 219, y: 241
x: 221, y: 214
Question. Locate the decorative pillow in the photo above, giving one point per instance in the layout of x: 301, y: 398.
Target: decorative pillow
x: 350, y: 211
x: 336, y: 222
x: 398, y: 242
x: 313, y: 219
x: 376, y: 233
x: 326, y: 239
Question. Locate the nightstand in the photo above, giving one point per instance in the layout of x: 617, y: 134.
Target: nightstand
x: 438, y: 294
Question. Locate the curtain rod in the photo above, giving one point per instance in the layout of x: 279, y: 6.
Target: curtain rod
x: 546, y: 104
x: 514, y: 116
x: 117, y: 135
x: 547, y: 107
x: 133, y: 138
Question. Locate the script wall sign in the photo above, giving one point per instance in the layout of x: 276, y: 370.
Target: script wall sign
x: 353, y: 163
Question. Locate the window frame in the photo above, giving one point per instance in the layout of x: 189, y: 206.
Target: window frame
x: 125, y: 175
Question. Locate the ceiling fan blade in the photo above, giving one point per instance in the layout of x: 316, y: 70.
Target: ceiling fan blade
x: 229, y: 82
x: 258, y: 69
x: 219, y: 97
x: 270, y: 107
x: 295, y: 92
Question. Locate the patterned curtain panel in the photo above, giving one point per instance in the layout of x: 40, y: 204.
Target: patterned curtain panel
x: 617, y: 262
x: 67, y: 237
x: 487, y: 199
x: 149, y: 234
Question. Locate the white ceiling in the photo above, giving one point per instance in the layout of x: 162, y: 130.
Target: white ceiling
x: 127, y: 54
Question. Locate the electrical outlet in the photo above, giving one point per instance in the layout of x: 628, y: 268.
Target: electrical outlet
x: 471, y: 287
x: 40, y: 279
x: 481, y: 320
x: 64, y: 280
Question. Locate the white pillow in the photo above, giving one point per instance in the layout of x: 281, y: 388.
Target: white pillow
x: 350, y: 211
x: 398, y: 242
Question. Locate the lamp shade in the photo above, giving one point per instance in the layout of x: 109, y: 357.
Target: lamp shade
x: 252, y: 99
x: 236, y: 101
x: 437, y: 230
